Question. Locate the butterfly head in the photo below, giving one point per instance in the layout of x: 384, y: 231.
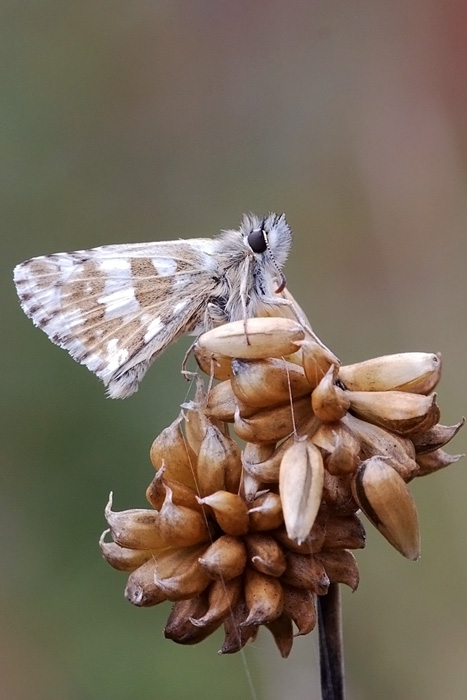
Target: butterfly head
x: 269, y: 239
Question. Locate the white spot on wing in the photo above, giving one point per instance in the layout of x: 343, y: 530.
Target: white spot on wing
x: 164, y: 266
x: 121, y: 302
x: 117, y: 356
x: 154, y: 328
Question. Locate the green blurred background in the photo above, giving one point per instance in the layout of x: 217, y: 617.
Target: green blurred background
x: 125, y: 122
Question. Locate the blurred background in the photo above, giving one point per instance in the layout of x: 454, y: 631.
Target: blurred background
x: 125, y: 122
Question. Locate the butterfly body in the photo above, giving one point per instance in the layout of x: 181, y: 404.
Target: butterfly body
x: 115, y: 308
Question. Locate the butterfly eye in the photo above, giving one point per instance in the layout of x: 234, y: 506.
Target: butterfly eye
x: 257, y: 241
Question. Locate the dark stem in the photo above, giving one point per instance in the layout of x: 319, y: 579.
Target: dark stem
x: 331, y: 649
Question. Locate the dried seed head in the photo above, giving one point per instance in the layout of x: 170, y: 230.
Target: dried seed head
x: 244, y: 537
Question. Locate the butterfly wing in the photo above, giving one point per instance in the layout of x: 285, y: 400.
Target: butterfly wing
x: 115, y: 308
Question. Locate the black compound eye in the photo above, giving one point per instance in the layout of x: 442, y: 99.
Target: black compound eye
x: 257, y: 241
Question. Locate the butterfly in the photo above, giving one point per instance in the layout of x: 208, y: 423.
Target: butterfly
x: 115, y: 308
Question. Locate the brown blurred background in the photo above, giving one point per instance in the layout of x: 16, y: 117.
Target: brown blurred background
x: 126, y: 122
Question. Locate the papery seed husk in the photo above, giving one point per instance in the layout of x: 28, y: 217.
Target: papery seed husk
x: 272, y: 424
x: 121, y: 558
x: 265, y: 554
x: 399, y: 411
x: 230, y: 511
x: 184, y: 580
x: 417, y: 372
x: 180, y: 526
x: 170, y: 449
x: 341, y: 567
x: 282, y: 631
x: 254, y: 338
x: 301, y: 487
x: 337, y: 493
x: 266, y: 512
x: 340, y: 448
x: 249, y: 487
x: 312, y: 543
x: 344, y: 532
x: 328, y: 401
x: 135, y: 529
x: 222, y: 403
x: 264, y: 597
x: 218, y: 455
x: 141, y: 589
x: 213, y: 364
x: 180, y: 628
x: 195, y: 425
x: 316, y: 360
x: 265, y: 470
x: 237, y: 633
x: 300, y: 606
x: 386, y: 501
x: 436, y: 437
x: 305, y: 571
x: 225, y: 558
x: 223, y: 596
x: 434, y: 461
x: 182, y: 495
x: 270, y: 382
x: 378, y: 441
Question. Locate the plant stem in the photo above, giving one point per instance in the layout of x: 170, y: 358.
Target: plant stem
x: 331, y: 649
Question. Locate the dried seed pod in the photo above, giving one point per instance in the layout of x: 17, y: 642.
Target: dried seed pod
x: 264, y: 597
x: 135, y: 529
x: 263, y: 460
x: 416, y: 372
x: 180, y: 627
x: 179, y: 574
x: 222, y: 403
x: 329, y: 402
x: 121, y: 558
x: 182, y: 495
x: 230, y: 511
x: 249, y: 487
x: 225, y: 558
x: 301, y: 486
x: 376, y: 441
x: 306, y: 571
x: 340, y: 447
x: 213, y: 364
x: 398, y: 411
x: 254, y: 338
x: 266, y: 512
x: 341, y: 567
x: 170, y: 449
x: 223, y: 596
x: 180, y: 526
x: 434, y: 461
x: 312, y: 543
x: 282, y: 631
x: 438, y: 436
x: 218, y: 456
x: 337, y: 493
x: 265, y: 554
x: 265, y: 383
x: 237, y: 631
x: 316, y: 360
x: 141, y: 589
x: 386, y: 501
x: 300, y: 606
x: 343, y: 532
x: 272, y: 424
